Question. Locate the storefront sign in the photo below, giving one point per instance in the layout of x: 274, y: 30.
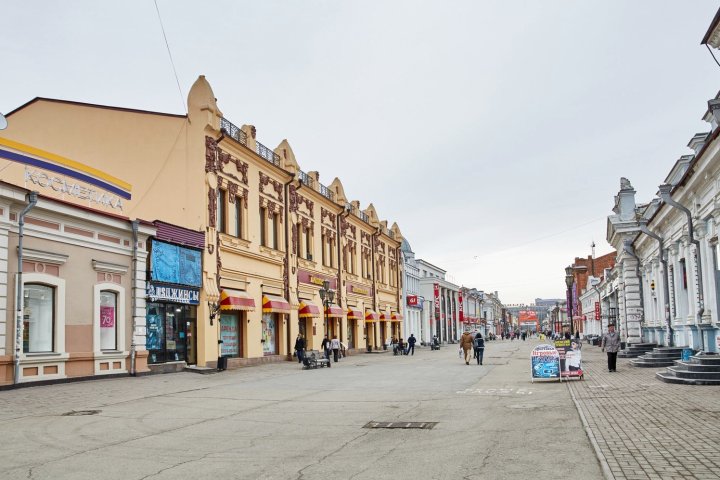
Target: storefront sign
x: 545, y: 362
x: 412, y: 300
x: 189, y: 296
x: 352, y: 288
x: 71, y: 188
x: 307, y: 277
x: 597, y: 310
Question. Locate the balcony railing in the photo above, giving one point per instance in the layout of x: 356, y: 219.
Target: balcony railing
x: 327, y: 193
x: 268, y: 154
x: 363, y: 216
x: 231, y: 130
x: 306, y: 179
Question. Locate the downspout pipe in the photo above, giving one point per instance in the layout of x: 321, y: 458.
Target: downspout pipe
x: 666, y: 280
x: 32, y: 201
x: 666, y: 197
x: 133, y: 301
x: 627, y: 248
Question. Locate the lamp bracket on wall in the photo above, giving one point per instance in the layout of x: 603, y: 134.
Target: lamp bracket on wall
x: 214, y: 309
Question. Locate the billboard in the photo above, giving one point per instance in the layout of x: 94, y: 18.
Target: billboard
x: 175, y: 264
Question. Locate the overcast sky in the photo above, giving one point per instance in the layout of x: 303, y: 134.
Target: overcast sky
x: 494, y: 133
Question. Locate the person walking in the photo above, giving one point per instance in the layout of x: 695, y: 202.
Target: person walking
x: 335, y: 345
x: 611, y: 345
x: 411, y: 344
x: 326, y: 347
x: 479, y: 346
x: 466, y: 344
x: 300, y: 347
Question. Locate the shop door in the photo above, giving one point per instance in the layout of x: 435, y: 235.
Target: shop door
x: 190, y: 345
x: 351, y: 333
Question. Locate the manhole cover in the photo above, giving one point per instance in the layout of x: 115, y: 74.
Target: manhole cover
x: 81, y: 413
x: 402, y: 425
x: 524, y: 406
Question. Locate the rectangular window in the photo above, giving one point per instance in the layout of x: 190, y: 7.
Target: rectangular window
x: 230, y: 335
x: 263, y: 227
x: 238, y: 218
x: 308, y: 243
x: 38, y: 318
x: 221, y: 207
x: 275, y: 230
x: 684, y: 273
x: 324, y: 249
x: 331, y: 249
x: 108, y: 320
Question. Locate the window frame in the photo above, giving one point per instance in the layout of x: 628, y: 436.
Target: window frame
x: 120, y: 320
x: 58, y: 314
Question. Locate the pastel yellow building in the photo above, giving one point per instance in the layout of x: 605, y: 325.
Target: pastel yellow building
x: 270, y: 234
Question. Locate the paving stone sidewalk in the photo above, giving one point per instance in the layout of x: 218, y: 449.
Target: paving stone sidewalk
x: 644, y: 428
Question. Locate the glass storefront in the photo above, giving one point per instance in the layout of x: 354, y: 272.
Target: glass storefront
x: 231, y: 335
x: 269, y: 333
x: 171, y: 330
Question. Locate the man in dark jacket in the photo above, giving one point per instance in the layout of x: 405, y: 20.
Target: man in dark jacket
x: 326, y: 347
x: 411, y: 344
x: 479, y: 346
x: 300, y: 347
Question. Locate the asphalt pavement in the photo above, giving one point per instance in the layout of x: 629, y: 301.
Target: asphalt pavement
x: 277, y: 421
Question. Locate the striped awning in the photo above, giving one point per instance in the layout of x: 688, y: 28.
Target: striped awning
x: 354, y: 314
x: 334, y: 311
x: 273, y: 304
x: 236, y: 300
x: 308, y: 310
x: 384, y: 317
x: 371, y: 316
x: 396, y: 317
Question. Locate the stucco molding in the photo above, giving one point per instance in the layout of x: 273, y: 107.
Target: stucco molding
x: 100, y: 266
x: 40, y: 256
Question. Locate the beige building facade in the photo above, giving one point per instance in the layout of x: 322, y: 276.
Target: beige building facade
x: 273, y: 234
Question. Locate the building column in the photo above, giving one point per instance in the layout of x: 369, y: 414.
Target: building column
x: 633, y: 306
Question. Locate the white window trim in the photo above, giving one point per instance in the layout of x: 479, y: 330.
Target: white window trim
x: 58, y: 356
x: 104, y: 356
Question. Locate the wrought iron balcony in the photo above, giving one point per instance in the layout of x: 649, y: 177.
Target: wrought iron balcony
x: 268, y: 154
x: 306, y: 179
x: 232, y: 131
x: 326, y: 192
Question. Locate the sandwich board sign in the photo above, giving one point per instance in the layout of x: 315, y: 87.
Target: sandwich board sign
x: 545, y: 362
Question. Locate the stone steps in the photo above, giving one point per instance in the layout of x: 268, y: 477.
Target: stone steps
x: 634, y: 350
x: 702, y: 369
x: 658, y: 358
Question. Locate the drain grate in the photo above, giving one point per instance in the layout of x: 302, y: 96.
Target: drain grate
x: 80, y: 413
x: 401, y: 425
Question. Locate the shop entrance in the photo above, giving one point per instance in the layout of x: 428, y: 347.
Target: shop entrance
x: 351, y: 333
x: 171, y: 333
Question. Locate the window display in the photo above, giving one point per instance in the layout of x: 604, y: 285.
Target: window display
x: 38, y: 318
x: 269, y: 334
x: 108, y: 320
x: 230, y: 335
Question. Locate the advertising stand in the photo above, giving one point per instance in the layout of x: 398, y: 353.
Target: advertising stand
x: 545, y: 363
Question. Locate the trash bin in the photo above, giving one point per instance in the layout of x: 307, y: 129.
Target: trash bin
x: 686, y: 354
x: 222, y: 363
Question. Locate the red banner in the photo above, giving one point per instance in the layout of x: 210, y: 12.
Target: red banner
x: 597, y: 310
x: 412, y: 300
x: 436, y: 292
x: 460, y: 307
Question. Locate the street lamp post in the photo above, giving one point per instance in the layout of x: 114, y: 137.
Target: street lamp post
x: 327, y: 296
x: 569, y: 280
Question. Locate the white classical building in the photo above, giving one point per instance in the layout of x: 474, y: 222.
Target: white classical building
x: 440, y: 317
x: 413, y: 303
x: 664, y: 287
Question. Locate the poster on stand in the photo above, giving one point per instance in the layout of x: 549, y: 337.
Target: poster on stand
x: 545, y: 362
x: 570, y: 357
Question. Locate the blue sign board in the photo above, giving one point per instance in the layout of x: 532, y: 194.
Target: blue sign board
x: 175, y: 264
x: 545, y: 362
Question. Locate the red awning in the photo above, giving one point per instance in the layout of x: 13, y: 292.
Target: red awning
x: 354, y: 314
x: 308, y: 310
x: 371, y: 316
x: 273, y: 304
x: 396, y: 317
x: 384, y: 317
x: 334, y: 311
x: 236, y: 300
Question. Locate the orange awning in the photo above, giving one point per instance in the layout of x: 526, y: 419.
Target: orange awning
x: 308, y: 310
x: 396, y: 317
x: 236, y: 300
x: 273, y: 304
x: 334, y: 311
x: 354, y: 314
x: 371, y: 316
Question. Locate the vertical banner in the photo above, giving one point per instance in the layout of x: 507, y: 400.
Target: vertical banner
x: 597, y: 310
x: 436, y: 292
x: 460, y: 307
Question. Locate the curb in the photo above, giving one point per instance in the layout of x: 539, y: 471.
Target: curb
x: 591, y: 436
